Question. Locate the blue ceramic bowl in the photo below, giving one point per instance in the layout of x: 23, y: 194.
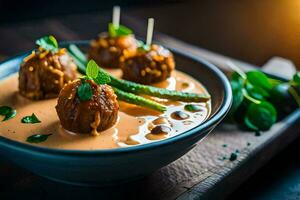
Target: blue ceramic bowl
x: 113, y: 166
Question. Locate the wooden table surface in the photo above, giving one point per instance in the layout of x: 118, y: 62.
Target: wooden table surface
x: 205, y: 172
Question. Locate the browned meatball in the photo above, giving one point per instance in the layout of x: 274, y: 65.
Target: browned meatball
x: 150, y: 66
x: 91, y: 116
x: 109, y: 52
x: 43, y: 74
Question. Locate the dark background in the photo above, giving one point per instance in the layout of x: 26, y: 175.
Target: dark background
x: 252, y: 31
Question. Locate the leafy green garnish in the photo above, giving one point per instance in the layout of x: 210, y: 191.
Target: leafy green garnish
x: 7, y: 112
x: 260, y: 116
x: 258, y: 100
x: 256, y: 92
x: 296, y: 79
x: 37, y: 138
x: 84, y: 91
x: 116, y: 31
x: 93, y: 72
x: 259, y: 79
x: 30, y: 119
x: 48, y: 43
x: 92, y: 69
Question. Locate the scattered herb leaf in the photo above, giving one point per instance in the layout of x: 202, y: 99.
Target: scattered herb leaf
x: 84, y: 91
x: 37, y: 138
x: 233, y: 156
x: 224, y: 145
x: 7, y: 112
x: 116, y: 31
x: 48, y: 43
x: 30, y: 119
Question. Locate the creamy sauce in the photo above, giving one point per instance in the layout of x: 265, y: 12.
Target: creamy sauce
x: 133, y: 127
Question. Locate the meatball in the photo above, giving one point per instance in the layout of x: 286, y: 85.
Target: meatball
x: 149, y: 66
x: 43, y: 74
x: 91, y: 116
x: 109, y: 52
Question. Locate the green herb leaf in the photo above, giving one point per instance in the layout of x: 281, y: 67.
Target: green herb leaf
x: 115, y: 31
x: 296, y: 78
x: 92, y: 69
x: 259, y: 79
x: 48, y: 43
x: 193, y: 107
x: 102, y: 78
x: 4, y: 110
x: 30, y: 119
x: 7, y: 112
x: 94, y: 72
x: 84, y: 91
x: 256, y: 92
x: 260, y: 116
x: 37, y: 138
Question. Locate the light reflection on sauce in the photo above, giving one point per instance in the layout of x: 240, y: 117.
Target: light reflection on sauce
x: 133, y: 127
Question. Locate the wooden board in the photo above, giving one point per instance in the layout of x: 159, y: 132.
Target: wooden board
x: 201, y: 173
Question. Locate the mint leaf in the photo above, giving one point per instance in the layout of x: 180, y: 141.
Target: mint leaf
x: 48, y: 43
x: 121, y: 30
x: 92, y: 69
x: 98, y: 75
x: 7, y: 112
x: 37, y: 138
x: 30, y: 119
x: 102, y: 78
x: 84, y: 91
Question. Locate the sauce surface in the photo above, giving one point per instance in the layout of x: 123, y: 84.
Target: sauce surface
x: 133, y: 127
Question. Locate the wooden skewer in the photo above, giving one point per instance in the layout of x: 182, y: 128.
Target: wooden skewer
x: 150, y: 31
x: 116, y: 16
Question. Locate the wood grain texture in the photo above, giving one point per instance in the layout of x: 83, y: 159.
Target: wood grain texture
x: 201, y: 173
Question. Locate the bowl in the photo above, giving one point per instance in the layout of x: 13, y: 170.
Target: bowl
x: 115, y: 166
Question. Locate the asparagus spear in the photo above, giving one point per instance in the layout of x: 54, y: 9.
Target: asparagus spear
x: 138, y: 100
x: 136, y: 88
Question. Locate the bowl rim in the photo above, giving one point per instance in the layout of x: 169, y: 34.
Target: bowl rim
x: 200, y: 129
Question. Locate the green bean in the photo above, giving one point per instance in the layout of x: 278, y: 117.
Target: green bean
x: 136, y: 88
x: 138, y: 100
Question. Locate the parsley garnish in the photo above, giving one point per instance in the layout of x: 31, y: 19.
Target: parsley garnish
x: 30, y: 119
x: 93, y: 72
x: 7, y: 112
x: 48, y: 43
x: 116, y: 31
x: 84, y: 91
x: 37, y: 138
